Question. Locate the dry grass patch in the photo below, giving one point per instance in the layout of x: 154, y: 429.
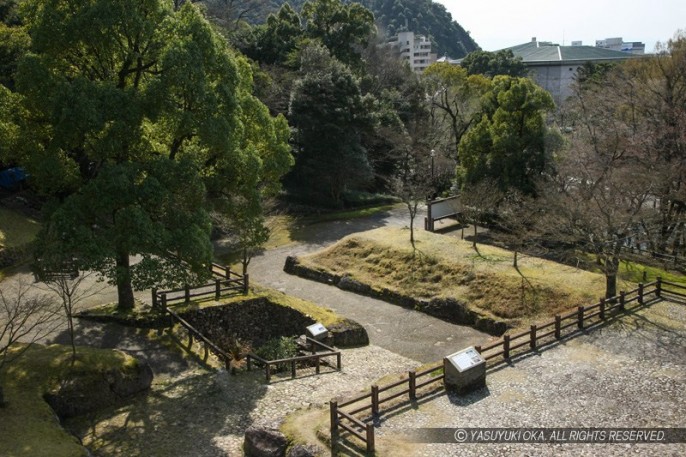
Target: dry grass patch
x: 443, y: 266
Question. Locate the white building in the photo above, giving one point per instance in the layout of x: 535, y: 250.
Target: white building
x: 415, y: 49
x: 618, y: 44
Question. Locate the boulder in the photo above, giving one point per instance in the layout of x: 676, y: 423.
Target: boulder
x: 79, y: 394
x: 302, y: 451
x: 264, y: 442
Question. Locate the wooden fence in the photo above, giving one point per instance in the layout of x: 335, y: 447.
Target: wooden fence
x: 374, y: 399
x: 315, y: 357
x: 225, y: 281
x: 538, y: 335
x: 194, y: 333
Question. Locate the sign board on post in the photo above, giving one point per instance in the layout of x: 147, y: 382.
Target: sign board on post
x: 464, y: 370
x: 317, y: 331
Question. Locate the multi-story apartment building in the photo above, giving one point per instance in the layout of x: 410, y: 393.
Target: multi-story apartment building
x: 415, y: 49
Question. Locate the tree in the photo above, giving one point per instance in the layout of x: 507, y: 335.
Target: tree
x: 491, y: 64
x: 511, y: 143
x: 603, y: 184
x: 71, y: 293
x: 139, y: 120
x: 277, y: 39
x: 455, y: 99
x: 343, y: 28
x: 329, y: 114
x: 24, y: 318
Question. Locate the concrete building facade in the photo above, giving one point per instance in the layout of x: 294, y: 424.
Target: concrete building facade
x: 415, y: 49
x: 555, y: 67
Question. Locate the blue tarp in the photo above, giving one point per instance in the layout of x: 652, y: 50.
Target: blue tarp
x: 12, y: 178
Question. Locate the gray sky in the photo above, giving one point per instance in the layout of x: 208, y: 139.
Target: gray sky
x: 497, y: 24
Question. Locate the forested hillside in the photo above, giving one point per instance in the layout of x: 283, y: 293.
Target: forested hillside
x: 419, y: 16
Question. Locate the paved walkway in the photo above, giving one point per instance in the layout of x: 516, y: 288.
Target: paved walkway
x: 403, y: 331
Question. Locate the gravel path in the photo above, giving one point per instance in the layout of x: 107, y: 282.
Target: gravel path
x: 629, y: 374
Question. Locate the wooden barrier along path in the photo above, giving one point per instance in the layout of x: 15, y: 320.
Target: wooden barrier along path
x: 315, y: 357
x: 584, y: 317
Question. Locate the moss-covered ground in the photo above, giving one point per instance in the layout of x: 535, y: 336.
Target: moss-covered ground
x: 29, y: 426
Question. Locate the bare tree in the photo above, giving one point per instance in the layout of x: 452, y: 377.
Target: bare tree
x: 480, y: 202
x: 25, y: 317
x: 71, y: 292
x: 412, y: 182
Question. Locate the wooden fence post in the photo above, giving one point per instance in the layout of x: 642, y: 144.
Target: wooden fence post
x: 478, y: 349
x: 228, y: 272
x: 558, y: 322
x: 413, y: 385
x: 187, y: 292
x: 640, y: 293
x: 532, y: 337
x: 375, y: 399
x: 317, y: 364
x: 217, y: 289
x: 293, y: 369
x: 370, y: 438
x: 622, y: 300
x: 164, y: 301
x: 338, y: 361
x: 506, y: 346
x: 267, y: 372
x: 154, y: 297
x: 249, y: 362
x: 602, y: 308
x: 658, y: 286
x: 246, y: 283
x: 580, y: 317
x: 333, y: 409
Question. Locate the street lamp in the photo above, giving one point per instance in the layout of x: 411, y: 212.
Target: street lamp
x: 433, y: 154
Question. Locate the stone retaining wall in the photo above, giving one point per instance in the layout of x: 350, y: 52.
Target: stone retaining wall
x: 447, y: 309
x: 258, y: 320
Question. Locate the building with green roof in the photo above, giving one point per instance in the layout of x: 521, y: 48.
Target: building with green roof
x: 555, y: 67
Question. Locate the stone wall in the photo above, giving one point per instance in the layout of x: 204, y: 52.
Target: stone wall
x: 447, y: 309
x: 259, y: 320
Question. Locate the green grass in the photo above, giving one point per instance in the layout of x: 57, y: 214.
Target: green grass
x: 29, y: 426
x: 448, y: 267
x: 16, y: 229
x: 286, y: 229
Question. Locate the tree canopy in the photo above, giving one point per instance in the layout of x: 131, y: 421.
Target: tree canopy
x: 510, y: 142
x: 138, y: 121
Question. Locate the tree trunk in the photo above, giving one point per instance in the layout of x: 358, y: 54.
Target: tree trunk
x: 124, y: 288
x: 611, y: 268
x: 2, y: 397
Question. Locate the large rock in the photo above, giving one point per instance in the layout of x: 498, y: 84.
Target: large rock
x: 264, y: 442
x: 303, y: 451
x: 79, y: 394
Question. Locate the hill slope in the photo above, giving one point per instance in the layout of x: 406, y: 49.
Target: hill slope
x: 420, y: 16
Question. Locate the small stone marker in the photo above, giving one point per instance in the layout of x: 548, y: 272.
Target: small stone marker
x: 464, y: 370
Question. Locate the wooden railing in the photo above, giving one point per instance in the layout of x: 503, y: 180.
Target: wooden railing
x: 194, y: 333
x: 537, y: 335
x: 225, y: 281
x: 578, y: 320
x: 315, y: 357
x: 373, y: 401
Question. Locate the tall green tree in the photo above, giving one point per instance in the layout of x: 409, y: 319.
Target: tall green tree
x: 343, y: 28
x: 329, y: 115
x: 139, y: 120
x: 511, y: 143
